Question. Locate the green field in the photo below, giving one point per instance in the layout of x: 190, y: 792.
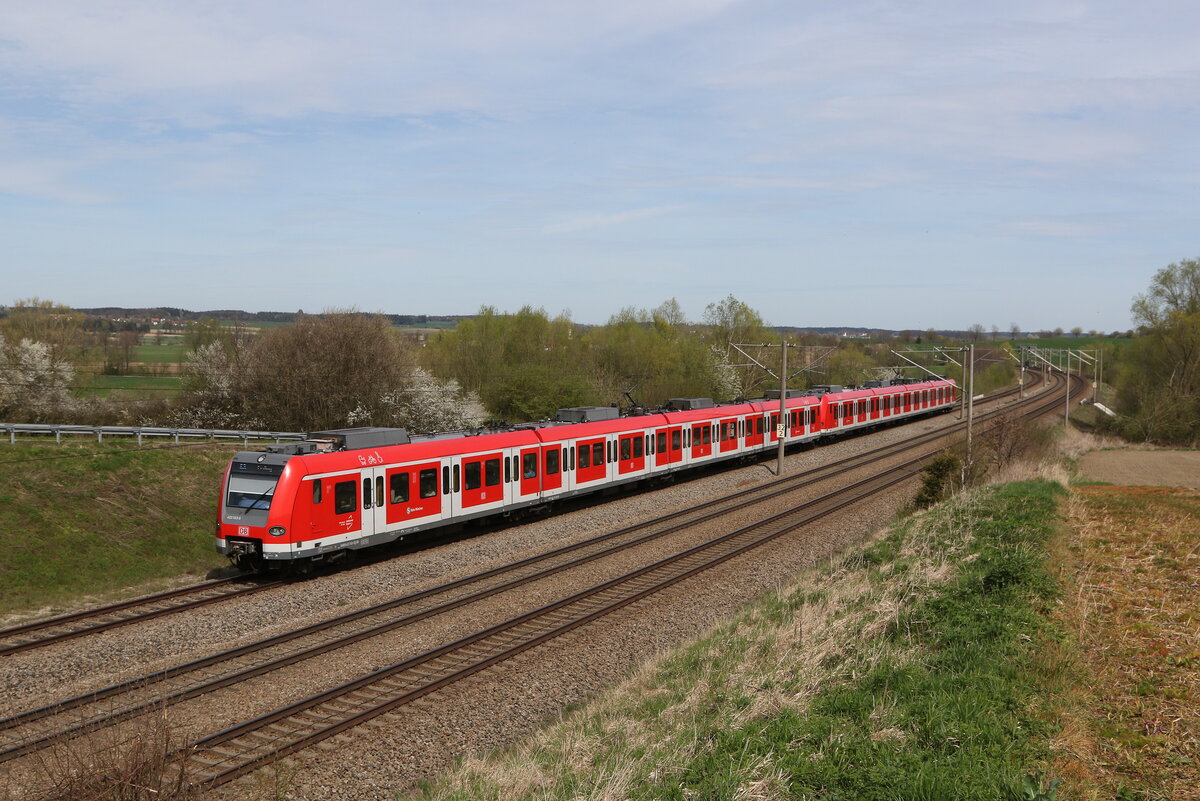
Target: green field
x: 1073, y: 343
x: 166, y: 353
x: 165, y: 385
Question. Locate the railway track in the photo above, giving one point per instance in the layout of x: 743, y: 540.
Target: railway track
x: 32, y: 730
x: 241, y: 749
x: 104, y: 618
x: 91, y: 621
x: 29, y: 731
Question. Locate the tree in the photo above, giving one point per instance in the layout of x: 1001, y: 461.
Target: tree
x: 1175, y: 290
x: 333, y: 370
x: 33, y: 383
x: 59, y: 327
x: 515, y: 362
x: 850, y: 366
x: 1014, y: 330
x: 729, y: 322
x: 1158, y: 379
x: 975, y: 332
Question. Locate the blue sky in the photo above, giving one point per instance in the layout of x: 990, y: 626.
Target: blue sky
x: 888, y: 164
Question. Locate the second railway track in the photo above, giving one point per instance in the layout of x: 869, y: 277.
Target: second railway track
x: 23, y: 735
x: 136, y: 610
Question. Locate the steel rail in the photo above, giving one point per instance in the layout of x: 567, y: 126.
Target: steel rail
x: 104, y: 618
x: 25, y: 643
x: 285, y: 731
x: 140, y: 700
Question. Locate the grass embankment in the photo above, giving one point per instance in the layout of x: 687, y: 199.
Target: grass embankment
x: 93, y: 518
x: 910, y: 669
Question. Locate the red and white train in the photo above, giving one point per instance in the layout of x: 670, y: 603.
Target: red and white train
x: 354, y: 488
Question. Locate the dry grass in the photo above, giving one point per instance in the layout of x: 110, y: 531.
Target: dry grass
x: 135, y: 763
x: 1131, y: 727
x: 771, y: 662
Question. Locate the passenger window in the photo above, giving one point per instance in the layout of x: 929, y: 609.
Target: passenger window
x: 625, y: 449
x: 507, y: 470
x: 676, y: 439
x: 398, y: 483
x: 707, y: 436
x: 491, y: 472
x: 529, y: 465
x: 366, y: 493
x: 344, y: 497
x: 598, y: 453
x: 445, y: 480
x: 428, y: 482
x: 552, y: 462
x: 379, y: 490
x: 585, y: 456
x: 638, y: 451
x: 471, y: 472
x: 317, y: 491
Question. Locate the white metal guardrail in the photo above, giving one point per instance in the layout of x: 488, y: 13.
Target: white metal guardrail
x: 176, y: 434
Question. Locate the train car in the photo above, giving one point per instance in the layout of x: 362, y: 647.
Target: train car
x: 344, y: 490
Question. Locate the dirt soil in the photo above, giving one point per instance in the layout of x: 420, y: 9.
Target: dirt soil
x: 1133, y: 468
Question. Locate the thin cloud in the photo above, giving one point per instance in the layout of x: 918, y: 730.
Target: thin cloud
x: 605, y: 220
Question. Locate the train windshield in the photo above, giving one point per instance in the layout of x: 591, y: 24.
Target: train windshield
x: 252, y: 485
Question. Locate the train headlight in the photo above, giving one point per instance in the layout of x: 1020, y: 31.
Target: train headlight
x: 277, y: 531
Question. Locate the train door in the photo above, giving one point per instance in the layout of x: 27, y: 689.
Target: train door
x: 701, y: 440
x: 728, y: 433
x: 552, y: 468
x: 754, y: 430
x: 773, y: 428
x: 590, y: 464
x: 663, y: 447
x: 335, y: 507
x: 631, y: 453
x: 530, y: 472
x: 374, y: 511
x: 413, y: 494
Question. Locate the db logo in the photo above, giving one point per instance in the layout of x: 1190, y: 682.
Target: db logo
x: 243, y: 531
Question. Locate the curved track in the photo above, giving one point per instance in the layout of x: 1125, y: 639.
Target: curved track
x: 240, y: 749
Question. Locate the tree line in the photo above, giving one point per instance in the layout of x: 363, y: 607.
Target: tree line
x: 1158, y: 377
x: 344, y: 368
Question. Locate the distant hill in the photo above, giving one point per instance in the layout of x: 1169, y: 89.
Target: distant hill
x: 184, y: 315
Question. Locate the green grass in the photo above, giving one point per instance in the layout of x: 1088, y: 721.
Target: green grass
x: 1075, y: 343
x: 93, y: 518
x: 907, y: 671
x: 166, y: 385
x: 166, y: 353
